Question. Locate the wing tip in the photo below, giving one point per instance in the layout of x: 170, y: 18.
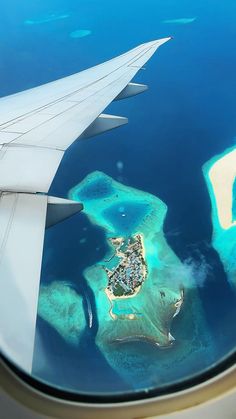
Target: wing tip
x: 158, y: 42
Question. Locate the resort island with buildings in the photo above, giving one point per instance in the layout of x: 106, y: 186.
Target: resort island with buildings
x: 126, y: 279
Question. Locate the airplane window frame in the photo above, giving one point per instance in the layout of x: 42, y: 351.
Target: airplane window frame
x: 47, y: 400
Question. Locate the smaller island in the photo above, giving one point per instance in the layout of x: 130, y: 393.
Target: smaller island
x: 47, y: 18
x: 80, y: 33
x: 180, y: 21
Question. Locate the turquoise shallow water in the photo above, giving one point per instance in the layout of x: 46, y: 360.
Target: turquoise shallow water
x: 133, y: 331
x: 126, y: 216
x: 96, y: 190
x: 186, y: 118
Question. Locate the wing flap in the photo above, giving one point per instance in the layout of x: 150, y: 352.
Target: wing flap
x: 104, y: 123
x: 132, y: 89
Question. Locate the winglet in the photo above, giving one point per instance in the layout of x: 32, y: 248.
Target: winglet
x: 158, y: 42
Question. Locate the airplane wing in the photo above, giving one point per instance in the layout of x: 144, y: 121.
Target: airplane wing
x: 36, y: 128
x: 38, y: 125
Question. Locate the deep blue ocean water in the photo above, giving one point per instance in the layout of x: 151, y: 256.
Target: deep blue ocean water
x: 187, y: 117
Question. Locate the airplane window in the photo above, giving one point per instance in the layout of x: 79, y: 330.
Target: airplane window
x: 118, y: 250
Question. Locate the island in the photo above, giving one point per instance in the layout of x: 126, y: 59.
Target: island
x: 51, y: 17
x: 139, y: 285
x: 126, y: 279
x: 180, y: 21
x: 149, y: 320
x: 220, y: 176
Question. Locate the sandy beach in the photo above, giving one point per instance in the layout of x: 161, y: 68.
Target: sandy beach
x: 222, y: 176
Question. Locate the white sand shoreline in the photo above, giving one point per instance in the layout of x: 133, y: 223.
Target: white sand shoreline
x: 222, y: 175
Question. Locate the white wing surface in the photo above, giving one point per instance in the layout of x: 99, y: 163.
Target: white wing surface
x: 22, y: 224
x: 36, y: 127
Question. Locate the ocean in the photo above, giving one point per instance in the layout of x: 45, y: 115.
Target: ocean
x: 187, y: 117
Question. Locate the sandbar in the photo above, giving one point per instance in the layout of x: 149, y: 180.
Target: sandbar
x: 220, y: 176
